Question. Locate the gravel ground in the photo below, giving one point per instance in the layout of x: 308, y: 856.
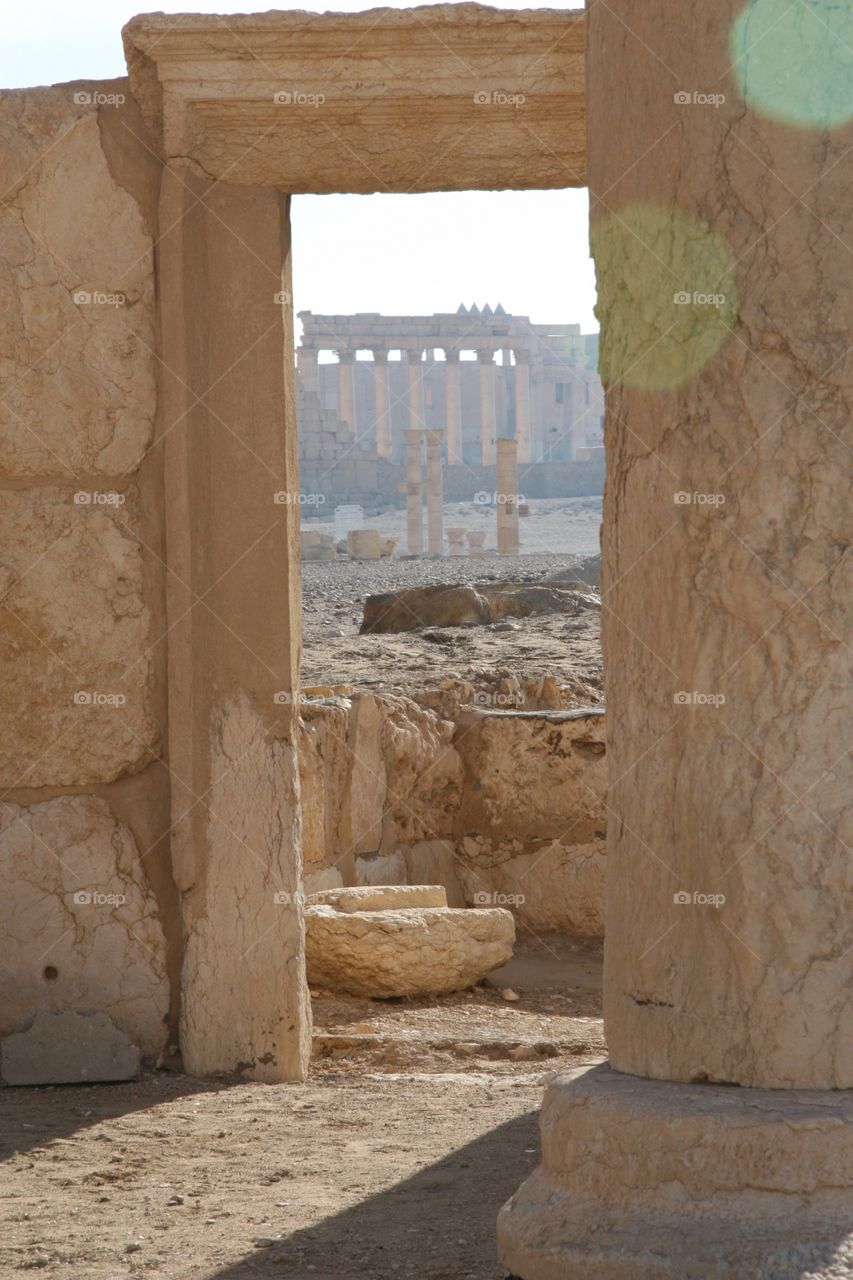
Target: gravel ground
x: 567, y: 649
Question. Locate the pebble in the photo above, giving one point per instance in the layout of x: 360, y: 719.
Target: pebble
x: 507, y: 993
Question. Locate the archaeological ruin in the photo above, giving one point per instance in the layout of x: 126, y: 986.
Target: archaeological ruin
x: 536, y: 384
x: 181, y: 806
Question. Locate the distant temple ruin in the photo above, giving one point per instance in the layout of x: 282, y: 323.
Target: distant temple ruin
x: 535, y: 383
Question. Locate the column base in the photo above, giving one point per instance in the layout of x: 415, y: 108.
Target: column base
x: 647, y: 1180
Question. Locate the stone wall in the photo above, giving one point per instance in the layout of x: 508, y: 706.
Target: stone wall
x: 90, y: 911
x: 501, y: 807
x: 375, y: 482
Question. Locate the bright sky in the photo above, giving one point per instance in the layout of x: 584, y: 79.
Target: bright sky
x: 395, y: 254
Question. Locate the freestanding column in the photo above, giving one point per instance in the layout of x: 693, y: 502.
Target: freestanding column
x: 488, y: 427
x: 435, y: 496
x: 414, y: 489
x: 507, y: 497
x: 522, y: 404
x: 346, y: 397
x: 416, y: 389
x: 383, y: 410
x: 726, y: 611
x: 452, y: 407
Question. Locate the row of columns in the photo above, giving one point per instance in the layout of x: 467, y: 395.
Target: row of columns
x: 415, y: 398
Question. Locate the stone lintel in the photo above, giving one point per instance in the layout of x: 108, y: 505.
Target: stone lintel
x: 462, y: 97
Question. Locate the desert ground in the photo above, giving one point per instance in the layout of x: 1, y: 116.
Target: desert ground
x: 556, y: 536
x: 418, y: 1121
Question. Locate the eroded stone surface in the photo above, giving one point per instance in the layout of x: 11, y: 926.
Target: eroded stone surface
x: 243, y: 915
x: 68, y: 1048
x: 77, y: 634
x: 298, y: 101
x: 381, y: 897
x: 404, y: 952
x: 727, y: 578
x: 645, y: 1180
x: 76, y: 294
x: 81, y: 927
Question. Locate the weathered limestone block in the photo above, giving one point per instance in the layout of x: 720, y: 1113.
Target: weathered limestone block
x: 423, y: 771
x: 76, y: 292
x: 77, y: 634
x: 382, y: 868
x: 364, y: 793
x: 243, y: 916
x: 323, y: 754
x: 380, y: 897
x: 532, y: 776
x: 404, y: 951
x: 656, y: 1181
x: 68, y: 1048
x: 436, y: 606
x: 436, y: 862
x: 297, y: 101
x: 80, y: 926
x: 552, y: 886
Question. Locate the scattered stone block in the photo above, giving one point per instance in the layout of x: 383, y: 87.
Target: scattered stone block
x: 68, y: 1048
x: 404, y: 951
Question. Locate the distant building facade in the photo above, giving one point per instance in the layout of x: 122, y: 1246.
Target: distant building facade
x: 500, y: 377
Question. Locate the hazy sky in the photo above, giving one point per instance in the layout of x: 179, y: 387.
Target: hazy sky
x: 395, y: 254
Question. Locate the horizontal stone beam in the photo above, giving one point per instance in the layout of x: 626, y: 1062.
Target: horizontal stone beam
x: 439, y: 98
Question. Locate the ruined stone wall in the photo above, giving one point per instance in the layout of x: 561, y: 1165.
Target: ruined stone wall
x: 499, y: 807
x: 89, y: 913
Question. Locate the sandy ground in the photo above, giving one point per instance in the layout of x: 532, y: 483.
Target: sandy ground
x: 565, y: 648
x: 418, y: 1122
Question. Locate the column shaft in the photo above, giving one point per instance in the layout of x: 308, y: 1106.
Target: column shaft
x: 522, y: 405
x: 414, y: 489
x: 507, y: 497
x: 435, y: 496
x: 452, y: 408
x: 383, y: 409
x: 488, y: 425
x: 346, y: 396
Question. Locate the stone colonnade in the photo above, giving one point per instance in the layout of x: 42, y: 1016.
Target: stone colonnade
x: 415, y: 394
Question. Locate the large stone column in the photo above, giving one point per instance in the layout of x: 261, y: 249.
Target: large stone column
x: 414, y: 489
x: 488, y: 425
x: 726, y: 302
x: 233, y: 611
x: 522, y: 404
x: 506, y: 485
x: 452, y: 407
x: 435, y: 494
x: 346, y: 391
x: 383, y: 408
x: 416, y: 388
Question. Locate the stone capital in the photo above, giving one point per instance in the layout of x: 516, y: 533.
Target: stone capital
x: 522, y: 355
x: 451, y: 355
x: 345, y: 357
x: 380, y: 355
x: 486, y: 357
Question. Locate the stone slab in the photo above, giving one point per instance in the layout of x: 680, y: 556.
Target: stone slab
x: 68, y: 1048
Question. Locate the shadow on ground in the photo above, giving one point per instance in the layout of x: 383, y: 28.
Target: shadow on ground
x: 437, y: 1225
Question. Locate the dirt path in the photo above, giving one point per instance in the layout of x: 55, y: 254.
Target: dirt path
x: 418, y: 1122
